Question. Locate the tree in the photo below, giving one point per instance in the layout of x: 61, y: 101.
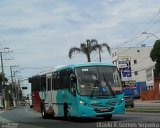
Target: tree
x: 86, y: 48
x: 155, y: 56
x: 5, y: 79
x: 101, y: 50
x: 1, y: 85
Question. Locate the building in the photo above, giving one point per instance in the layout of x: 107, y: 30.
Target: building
x: 135, y: 65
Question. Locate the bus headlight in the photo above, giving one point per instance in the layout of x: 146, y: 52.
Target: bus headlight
x: 122, y: 99
x: 82, y: 102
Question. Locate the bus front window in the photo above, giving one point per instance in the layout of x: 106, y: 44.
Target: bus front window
x: 98, y: 80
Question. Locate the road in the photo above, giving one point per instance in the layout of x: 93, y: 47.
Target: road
x: 24, y: 117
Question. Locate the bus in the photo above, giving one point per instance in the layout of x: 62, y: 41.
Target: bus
x: 78, y: 90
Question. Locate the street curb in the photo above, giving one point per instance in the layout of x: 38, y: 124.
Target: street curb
x: 143, y: 111
x: 4, y: 120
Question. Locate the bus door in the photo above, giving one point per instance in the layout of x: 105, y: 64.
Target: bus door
x: 72, y: 92
x: 49, y: 91
x: 67, y: 98
x: 57, y: 94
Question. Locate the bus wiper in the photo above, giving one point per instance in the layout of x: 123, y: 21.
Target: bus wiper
x: 107, y: 83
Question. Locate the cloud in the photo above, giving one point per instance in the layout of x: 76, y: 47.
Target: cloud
x: 41, y: 32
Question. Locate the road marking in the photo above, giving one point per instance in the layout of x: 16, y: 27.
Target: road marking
x: 4, y: 120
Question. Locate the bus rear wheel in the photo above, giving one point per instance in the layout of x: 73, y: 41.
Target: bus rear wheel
x: 108, y: 117
x: 44, y: 114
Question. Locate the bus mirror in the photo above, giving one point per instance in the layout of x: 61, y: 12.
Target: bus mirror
x: 73, y: 78
x: 73, y: 90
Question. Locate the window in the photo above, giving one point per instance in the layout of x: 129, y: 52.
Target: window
x: 150, y: 88
x: 64, y: 79
x: 36, y: 83
x: 56, y: 80
x: 53, y: 82
x: 135, y: 72
x: 43, y: 82
x: 49, y: 84
x: 135, y: 61
x: 149, y: 74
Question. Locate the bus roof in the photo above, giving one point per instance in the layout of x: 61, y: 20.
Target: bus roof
x: 61, y: 67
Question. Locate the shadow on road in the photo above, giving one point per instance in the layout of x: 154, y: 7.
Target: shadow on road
x: 82, y: 120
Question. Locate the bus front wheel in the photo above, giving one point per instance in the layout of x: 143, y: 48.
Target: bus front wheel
x: 66, y: 113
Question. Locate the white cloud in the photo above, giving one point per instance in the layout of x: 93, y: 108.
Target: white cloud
x: 42, y: 31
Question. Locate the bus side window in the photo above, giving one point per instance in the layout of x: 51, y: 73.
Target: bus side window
x: 52, y: 82
x: 43, y: 82
x: 64, y: 79
x: 35, y: 82
x: 49, y: 83
x: 56, y: 80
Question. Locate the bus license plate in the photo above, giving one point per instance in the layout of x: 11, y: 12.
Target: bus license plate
x: 104, y: 110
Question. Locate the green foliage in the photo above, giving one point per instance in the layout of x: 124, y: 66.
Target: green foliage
x: 87, y: 48
x: 155, y: 55
x: 5, y: 79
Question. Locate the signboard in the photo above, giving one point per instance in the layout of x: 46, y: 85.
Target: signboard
x: 129, y: 84
x: 124, y: 65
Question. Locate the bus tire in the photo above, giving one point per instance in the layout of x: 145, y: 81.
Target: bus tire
x: 108, y: 117
x: 66, y: 113
x: 43, y: 112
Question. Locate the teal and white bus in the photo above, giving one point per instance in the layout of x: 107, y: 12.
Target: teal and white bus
x: 78, y: 90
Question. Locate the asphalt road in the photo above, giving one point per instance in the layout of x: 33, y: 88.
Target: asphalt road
x: 24, y: 117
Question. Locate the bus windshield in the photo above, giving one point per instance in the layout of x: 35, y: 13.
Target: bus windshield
x: 98, y: 80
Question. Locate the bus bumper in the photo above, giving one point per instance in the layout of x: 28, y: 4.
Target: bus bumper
x: 88, y: 111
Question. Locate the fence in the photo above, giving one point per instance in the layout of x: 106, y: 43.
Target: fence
x: 152, y: 94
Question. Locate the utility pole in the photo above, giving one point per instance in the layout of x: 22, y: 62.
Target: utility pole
x: 13, y: 88
x: 2, y: 102
x: 2, y: 70
x: 12, y: 92
x: 3, y: 95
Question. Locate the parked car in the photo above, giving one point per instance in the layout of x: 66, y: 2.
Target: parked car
x: 23, y: 103
x: 129, y: 101
x: 136, y: 96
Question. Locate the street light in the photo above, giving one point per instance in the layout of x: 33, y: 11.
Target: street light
x: 151, y: 34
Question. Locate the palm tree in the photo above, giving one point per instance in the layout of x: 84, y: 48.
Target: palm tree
x: 87, y: 48
x: 100, y: 49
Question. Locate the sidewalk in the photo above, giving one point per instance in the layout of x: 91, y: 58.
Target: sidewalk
x: 2, y: 110
x: 148, y: 101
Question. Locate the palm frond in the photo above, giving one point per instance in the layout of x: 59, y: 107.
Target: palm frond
x: 107, y: 46
x: 73, y: 50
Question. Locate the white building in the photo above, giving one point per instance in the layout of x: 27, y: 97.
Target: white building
x: 141, y: 64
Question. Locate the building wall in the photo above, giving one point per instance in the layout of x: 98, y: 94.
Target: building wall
x: 140, y: 62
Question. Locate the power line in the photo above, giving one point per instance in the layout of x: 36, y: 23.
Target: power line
x: 146, y: 27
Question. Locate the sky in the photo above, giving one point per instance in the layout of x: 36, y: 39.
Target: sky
x: 39, y: 33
